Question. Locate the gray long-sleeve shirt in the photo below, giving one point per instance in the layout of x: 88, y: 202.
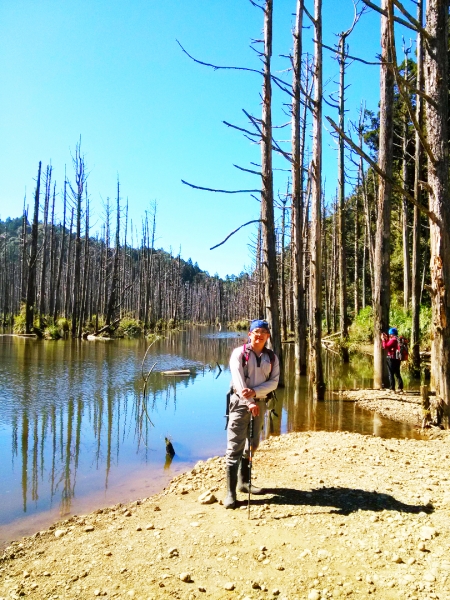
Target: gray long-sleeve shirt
x: 262, y: 379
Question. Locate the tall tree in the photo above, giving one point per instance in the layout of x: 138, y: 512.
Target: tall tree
x: 418, y: 167
x: 316, y: 369
x: 297, y: 199
x: 32, y: 267
x: 267, y: 204
x: 436, y: 88
x: 381, y: 291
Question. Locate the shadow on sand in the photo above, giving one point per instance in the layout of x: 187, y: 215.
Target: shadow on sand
x: 344, y: 500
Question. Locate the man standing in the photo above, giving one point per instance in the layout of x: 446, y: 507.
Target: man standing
x: 255, y: 371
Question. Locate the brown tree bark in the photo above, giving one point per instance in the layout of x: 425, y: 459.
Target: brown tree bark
x: 297, y: 200
x: 267, y: 208
x: 382, y: 275
x: 436, y: 87
x: 315, y: 344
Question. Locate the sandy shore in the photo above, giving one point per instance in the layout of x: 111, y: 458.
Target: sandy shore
x: 405, y: 407
x: 345, y: 515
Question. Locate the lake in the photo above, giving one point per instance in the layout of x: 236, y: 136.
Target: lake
x: 77, y: 433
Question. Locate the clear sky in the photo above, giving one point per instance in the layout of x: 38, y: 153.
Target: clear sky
x: 112, y: 73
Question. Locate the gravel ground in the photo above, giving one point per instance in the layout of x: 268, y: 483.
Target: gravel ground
x: 404, y: 407
x: 345, y: 516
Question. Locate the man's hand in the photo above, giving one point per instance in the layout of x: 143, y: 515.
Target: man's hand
x: 248, y: 393
x: 254, y: 409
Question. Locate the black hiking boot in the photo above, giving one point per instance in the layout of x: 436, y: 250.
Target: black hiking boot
x: 243, y: 477
x: 230, y: 500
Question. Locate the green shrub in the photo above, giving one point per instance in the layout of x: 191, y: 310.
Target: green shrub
x: 241, y: 325
x: 63, y: 325
x: 160, y: 325
x: 171, y: 324
x: 20, y: 321
x: 361, y: 330
x: 129, y: 327
x: 52, y: 332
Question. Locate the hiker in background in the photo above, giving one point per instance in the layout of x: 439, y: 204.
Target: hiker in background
x: 255, y: 371
x: 392, y: 346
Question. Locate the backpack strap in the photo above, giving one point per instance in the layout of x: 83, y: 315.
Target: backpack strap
x: 245, y: 356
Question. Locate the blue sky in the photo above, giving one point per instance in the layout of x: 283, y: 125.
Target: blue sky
x: 112, y: 73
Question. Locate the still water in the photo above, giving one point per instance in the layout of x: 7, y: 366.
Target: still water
x: 77, y: 433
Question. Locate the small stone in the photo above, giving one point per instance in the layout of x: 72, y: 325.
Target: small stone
x: 26, y: 574
x: 138, y: 528
x: 279, y: 568
x: 207, y: 498
x: 173, y: 552
x: 150, y: 526
x: 276, y: 592
x: 195, y: 524
x: 47, y: 574
x: 411, y: 560
x: 127, y: 514
x: 369, y: 579
x: 427, y: 533
x: 60, y: 532
x: 397, y: 559
x: 186, y: 577
x: 314, y: 595
x: 131, y: 593
x: 322, y: 554
x: 229, y: 586
x: 262, y: 548
x: 89, y: 528
x: 421, y: 546
x: 256, y: 585
x: 33, y: 586
x: 97, y: 592
x: 107, y: 553
x: 429, y: 577
x: 157, y: 508
x: 201, y: 589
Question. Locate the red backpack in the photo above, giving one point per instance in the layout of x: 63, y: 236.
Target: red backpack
x: 402, y: 350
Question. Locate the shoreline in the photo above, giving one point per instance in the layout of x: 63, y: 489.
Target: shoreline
x: 345, y: 515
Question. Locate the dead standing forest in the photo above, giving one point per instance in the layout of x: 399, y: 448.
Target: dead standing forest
x: 316, y: 265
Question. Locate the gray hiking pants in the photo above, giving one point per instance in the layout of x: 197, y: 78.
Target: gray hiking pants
x: 238, y: 429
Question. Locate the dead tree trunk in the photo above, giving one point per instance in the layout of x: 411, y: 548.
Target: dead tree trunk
x: 267, y: 208
x: 297, y: 201
x: 31, y: 283
x: 316, y: 370
x: 113, y: 291
x: 418, y: 194
x: 343, y: 317
x: 405, y: 224
x: 80, y: 180
x: 381, y: 291
x: 436, y: 88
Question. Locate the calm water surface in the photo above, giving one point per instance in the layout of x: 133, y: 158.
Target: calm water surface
x: 76, y: 432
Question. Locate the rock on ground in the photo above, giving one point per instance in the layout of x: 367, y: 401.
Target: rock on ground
x: 345, y: 516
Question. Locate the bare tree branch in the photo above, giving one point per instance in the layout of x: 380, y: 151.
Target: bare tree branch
x: 381, y: 173
x: 198, y: 187
x: 397, y: 19
x: 248, y: 170
x: 365, y: 62
x: 236, y: 230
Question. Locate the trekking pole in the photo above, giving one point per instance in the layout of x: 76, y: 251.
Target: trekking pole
x: 250, y: 456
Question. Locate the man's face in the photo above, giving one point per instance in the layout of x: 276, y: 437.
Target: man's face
x: 259, y: 336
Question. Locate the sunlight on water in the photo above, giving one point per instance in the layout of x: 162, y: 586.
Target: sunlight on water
x: 76, y: 433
